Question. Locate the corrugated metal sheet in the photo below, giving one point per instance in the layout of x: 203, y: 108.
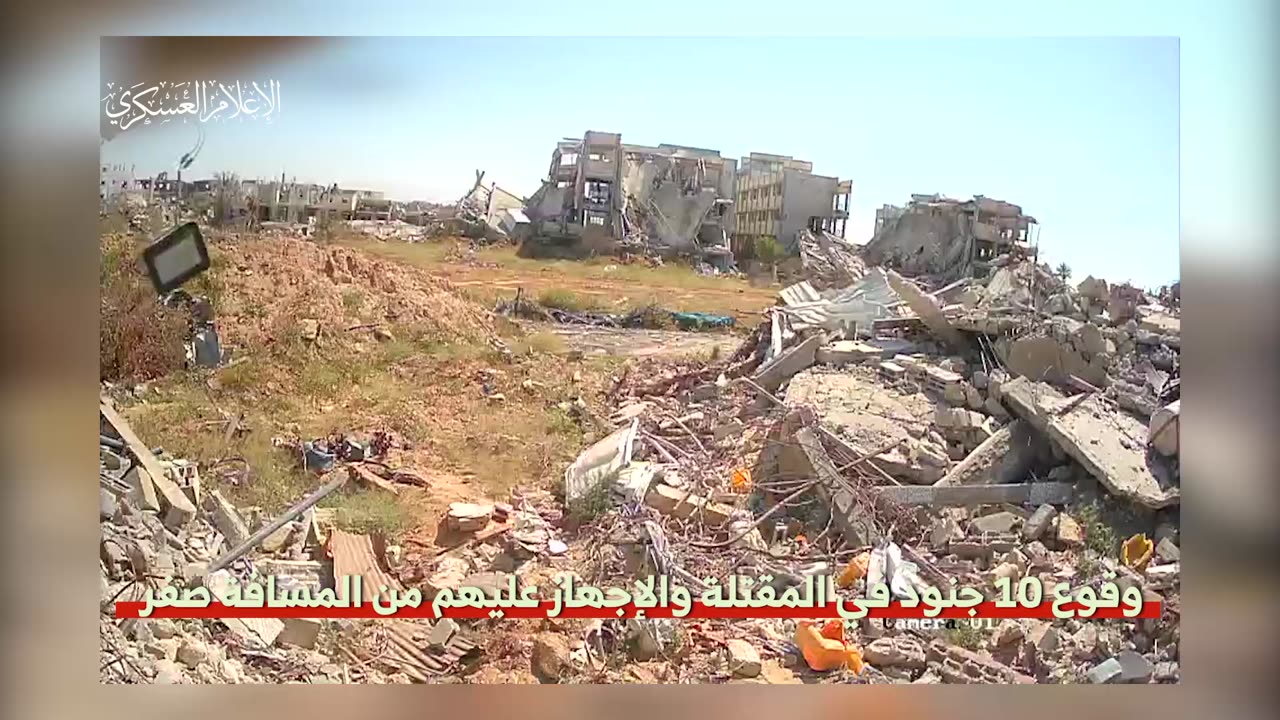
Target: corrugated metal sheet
x: 864, y: 302
x: 801, y: 292
x: 354, y: 555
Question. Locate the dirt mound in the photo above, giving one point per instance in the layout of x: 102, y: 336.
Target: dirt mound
x: 268, y: 285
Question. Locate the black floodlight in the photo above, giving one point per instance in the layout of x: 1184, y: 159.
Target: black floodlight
x: 176, y: 257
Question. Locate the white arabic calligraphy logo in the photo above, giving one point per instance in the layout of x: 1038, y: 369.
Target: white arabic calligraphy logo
x: 203, y: 100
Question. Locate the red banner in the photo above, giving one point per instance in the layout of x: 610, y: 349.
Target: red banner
x: 697, y: 611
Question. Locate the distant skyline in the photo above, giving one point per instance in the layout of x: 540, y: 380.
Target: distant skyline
x: 1081, y: 132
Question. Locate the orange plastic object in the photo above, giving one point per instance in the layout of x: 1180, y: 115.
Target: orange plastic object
x: 823, y: 652
x: 741, y: 479
x: 833, y: 630
x: 1136, y: 552
x: 856, y: 568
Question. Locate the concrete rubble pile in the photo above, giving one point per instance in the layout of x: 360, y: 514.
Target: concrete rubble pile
x: 900, y: 423
x: 389, y: 230
x: 160, y: 528
x: 488, y: 213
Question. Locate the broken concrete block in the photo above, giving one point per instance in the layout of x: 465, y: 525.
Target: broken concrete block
x: 1007, y: 633
x: 168, y: 673
x: 845, y: 352
x: 300, y: 632
x: 1167, y: 551
x: 972, y: 495
x: 901, y: 651
x: 1162, y: 432
x: 956, y: 418
x: 192, y: 652
x: 1068, y: 532
x: 893, y: 370
x: 1047, y: 358
x: 848, y: 515
x: 973, y: 398
x: 1089, y: 339
x: 926, y: 308
x: 551, y: 657
x: 1085, y: 642
x: 1043, y: 637
x: 293, y: 573
x: 1001, y: 522
x: 773, y: 374
x: 161, y: 649
x: 733, y: 428
x: 469, y: 517
x: 683, y: 504
x: 945, y: 531
x: 1039, y: 523
x: 1095, y: 436
x: 441, y: 634
x: 599, y: 463
x: 1134, y: 668
x: 634, y: 480
x: 742, y: 658
x: 1094, y: 288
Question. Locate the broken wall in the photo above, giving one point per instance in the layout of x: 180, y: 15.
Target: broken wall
x: 803, y: 196
x: 921, y: 242
x: 677, y: 217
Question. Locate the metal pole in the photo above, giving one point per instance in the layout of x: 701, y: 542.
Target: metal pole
x: 302, y: 506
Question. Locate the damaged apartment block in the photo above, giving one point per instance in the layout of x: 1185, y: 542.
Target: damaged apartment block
x: 948, y: 239
x: 602, y: 196
x: 779, y: 196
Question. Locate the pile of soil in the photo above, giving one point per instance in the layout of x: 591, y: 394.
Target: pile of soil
x: 269, y: 285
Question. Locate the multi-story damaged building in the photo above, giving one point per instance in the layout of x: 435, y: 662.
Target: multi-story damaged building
x: 778, y: 196
x: 947, y: 238
x: 669, y: 198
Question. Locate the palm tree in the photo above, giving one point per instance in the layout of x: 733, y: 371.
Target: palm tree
x: 1063, y: 271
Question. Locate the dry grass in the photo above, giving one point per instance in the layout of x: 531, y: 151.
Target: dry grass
x: 563, y: 299
x: 598, y: 282
x: 422, y: 385
x: 138, y: 338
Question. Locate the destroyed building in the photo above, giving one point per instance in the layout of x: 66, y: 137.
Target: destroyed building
x: 115, y: 179
x: 488, y: 211
x: 778, y: 196
x: 947, y: 238
x: 602, y: 194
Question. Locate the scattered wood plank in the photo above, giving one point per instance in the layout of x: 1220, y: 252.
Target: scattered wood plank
x: 493, y: 530
x: 358, y: 471
x: 150, y: 472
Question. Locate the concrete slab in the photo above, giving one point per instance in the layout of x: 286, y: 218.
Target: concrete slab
x: 1110, y: 444
x: 855, y: 527
x: 773, y: 374
x: 926, y: 308
x: 1021, y: 493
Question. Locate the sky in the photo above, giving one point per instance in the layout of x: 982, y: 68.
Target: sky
x: 1082, y: 132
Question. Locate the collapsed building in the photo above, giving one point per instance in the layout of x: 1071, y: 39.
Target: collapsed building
x: 602, y: 195
x: 947, y: 238
x: 489, y: 212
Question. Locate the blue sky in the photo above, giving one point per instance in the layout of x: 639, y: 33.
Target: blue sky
x: 1083, y: 132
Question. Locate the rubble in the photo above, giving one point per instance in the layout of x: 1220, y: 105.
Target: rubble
x: 1108, y: 444
x: 875, y: 427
